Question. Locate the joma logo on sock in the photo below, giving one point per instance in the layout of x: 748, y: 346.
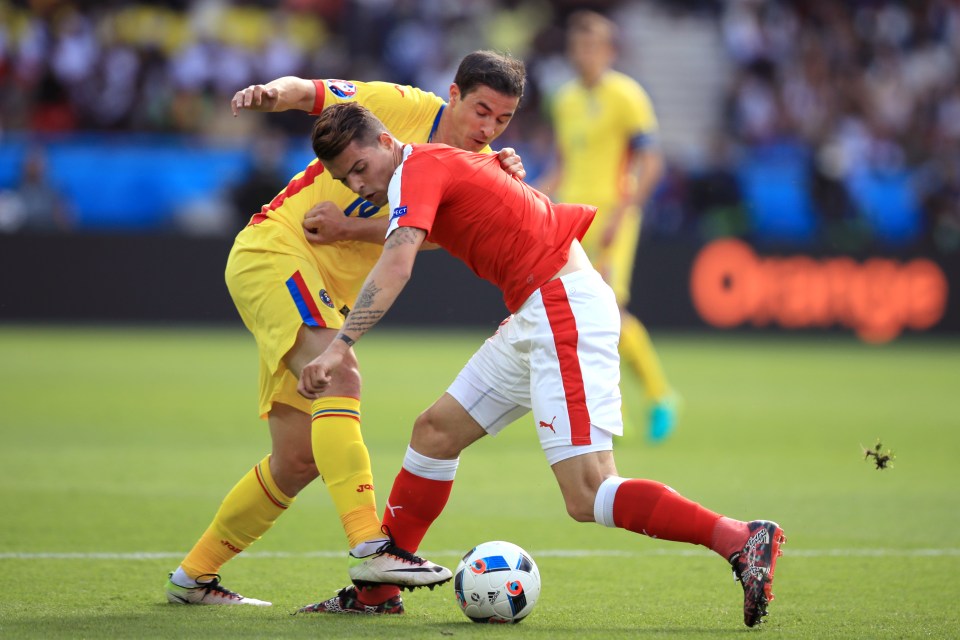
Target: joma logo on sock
x: 227, y: 544
x: 364, y: 487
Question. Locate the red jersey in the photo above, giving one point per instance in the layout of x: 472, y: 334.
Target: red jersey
x: 507, y: 232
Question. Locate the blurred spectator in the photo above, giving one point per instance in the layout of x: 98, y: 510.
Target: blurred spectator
x: 870, y: 87
x: 940, y: 189
x: 266, y: 178
x: 714, y: 196
x: 843, y: 227
x: 867, y: 91
x: 34, y: 206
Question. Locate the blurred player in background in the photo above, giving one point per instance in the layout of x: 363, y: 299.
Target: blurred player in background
x: 556, y: 355
x: 293, y: 287
x: 607, y: 156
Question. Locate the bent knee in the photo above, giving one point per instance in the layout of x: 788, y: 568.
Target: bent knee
x: 347, y: 381
x: 431, y: 439
x: 580, y: 510
x: 293, y: 472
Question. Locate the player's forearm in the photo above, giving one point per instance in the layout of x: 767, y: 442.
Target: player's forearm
x: 378, y: 294
x: 294, y: 93
x: 384, y: 284
x: 647, y: 169
x: 367, y: 229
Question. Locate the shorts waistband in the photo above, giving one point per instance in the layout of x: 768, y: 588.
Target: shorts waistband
x: 565, y: 281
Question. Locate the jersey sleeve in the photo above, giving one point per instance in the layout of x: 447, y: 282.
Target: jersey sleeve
x: 415, y: 192
x: 399, y: 107
x: 639, y: 116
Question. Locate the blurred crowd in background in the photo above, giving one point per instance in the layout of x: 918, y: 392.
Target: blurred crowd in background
x: 843, y: 114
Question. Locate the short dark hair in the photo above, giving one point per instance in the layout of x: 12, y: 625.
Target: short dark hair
x: 340, y: 125
x: 586, y: 22
x: 501, y: 72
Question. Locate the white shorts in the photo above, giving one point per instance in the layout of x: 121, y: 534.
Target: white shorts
x: 557, y: 355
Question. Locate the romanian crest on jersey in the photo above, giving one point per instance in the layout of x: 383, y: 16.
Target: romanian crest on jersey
x: 342, y: 88
x: 325, y: 298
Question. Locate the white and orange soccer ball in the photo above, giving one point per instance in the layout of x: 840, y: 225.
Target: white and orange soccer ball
x: 497, y: 582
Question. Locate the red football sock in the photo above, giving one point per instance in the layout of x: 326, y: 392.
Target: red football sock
x: 656, y: 510
x: 729, y: 536
x: 377, y: 595
x: 414, y: 503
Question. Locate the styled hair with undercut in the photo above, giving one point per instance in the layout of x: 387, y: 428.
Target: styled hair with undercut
x: 502, y: 73
x: 340, y: 125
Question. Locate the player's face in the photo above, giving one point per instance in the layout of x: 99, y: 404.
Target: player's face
x: 366, y: 169
x: 479, y: 117
x: 591, y: 53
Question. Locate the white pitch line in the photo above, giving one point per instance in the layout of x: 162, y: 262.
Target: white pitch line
x: 544, y: 553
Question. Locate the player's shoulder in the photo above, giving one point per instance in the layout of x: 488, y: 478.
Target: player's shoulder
x: 567, y: 90
x: 442, y: 162
x: 621, y: 82
x: 623, y: 89
x: 430, y: 152
x: 377, y: 92
x: 397, y: 94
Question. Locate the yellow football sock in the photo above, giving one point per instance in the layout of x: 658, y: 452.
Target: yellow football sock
x: 637, y: 351
x: 248, y: 511
x: 344, y: 463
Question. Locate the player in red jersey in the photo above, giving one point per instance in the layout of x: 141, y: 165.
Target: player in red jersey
x: 556, y: 355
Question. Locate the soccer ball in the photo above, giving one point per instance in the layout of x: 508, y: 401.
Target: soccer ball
x: 497, y: 582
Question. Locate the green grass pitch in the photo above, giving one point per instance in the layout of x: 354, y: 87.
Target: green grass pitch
x: 117, y: 445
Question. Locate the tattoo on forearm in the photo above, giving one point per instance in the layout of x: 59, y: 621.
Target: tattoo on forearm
x: 350, y: 341
x: 364, y: 314
x: 361, y: 321
x: 365, y: 299
x: 404, y: 235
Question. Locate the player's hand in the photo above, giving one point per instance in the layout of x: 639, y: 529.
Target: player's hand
x: 325, y: 223
x: 317, y: 374
x: 511, y: 163
x: 256, y: 97
x: 610, y: 232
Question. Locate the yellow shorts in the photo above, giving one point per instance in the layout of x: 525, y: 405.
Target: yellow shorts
x: 279, y: 282
x: 616, y: 262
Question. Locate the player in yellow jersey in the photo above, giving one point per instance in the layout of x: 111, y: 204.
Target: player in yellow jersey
x: 293, y: 285
x: 607, y: 156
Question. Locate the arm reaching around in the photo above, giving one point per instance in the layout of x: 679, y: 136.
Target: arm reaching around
x: 326, y: 223
x: 282, y: 94
x: 381, y: 289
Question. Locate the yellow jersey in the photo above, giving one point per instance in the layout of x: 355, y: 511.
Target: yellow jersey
x: 595, y: 129
x: 411, y: 115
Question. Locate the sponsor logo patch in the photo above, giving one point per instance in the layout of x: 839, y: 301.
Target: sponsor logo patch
x: 548, y: 425
x: 232, y: 547
x: 399, y: 212
x: 342, y: 88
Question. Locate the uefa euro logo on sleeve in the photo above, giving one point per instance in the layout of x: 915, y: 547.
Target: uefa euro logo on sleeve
x: 342, y: 88
x: 399, y: 212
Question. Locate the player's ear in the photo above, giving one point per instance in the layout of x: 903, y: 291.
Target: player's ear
x: 385, y: 140
x: 454, y: 93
